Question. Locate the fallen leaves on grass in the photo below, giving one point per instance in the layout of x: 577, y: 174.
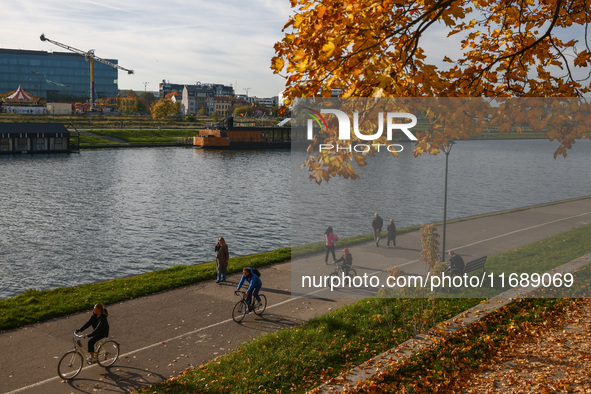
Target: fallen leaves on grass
x: 547, y: 351
x: 557, y: 359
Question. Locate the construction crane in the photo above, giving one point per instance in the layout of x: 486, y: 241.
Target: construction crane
x: 89, y: 56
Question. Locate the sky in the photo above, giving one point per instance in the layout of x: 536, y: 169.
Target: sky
x: 183, y: 42
x: 227, y: 41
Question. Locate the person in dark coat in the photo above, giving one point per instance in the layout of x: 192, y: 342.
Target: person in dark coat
x: 100, y: 328
x: 222, y: 256
x: 391, y: 233
x: 377, y: 225
x: 456, y: 263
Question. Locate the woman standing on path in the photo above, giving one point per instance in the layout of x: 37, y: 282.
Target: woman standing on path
x: 331, y: 239
x: 222, y: 257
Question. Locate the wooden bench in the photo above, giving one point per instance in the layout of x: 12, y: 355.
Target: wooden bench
x: 475, y: 264
x: 472, y: 265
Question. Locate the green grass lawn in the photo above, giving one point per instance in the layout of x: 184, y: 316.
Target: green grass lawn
x: 148, y: 136
x: 39, y: 305
x: 91, y: 140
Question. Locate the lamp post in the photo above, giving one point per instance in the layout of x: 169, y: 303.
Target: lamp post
x: 146, y: 93
x: 145, y: 101
x: 446, y: 151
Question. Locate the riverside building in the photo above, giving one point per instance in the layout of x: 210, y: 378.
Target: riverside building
x: 55, y: 76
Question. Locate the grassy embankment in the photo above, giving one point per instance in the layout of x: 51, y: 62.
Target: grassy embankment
x: 142, y: 130
x: 137, y: 137
x: 39, y: 305
x: 174, y: 136
x: 88, y: 122
x: 448, y: 366
x: 302, y: 357
x: 131, y: 129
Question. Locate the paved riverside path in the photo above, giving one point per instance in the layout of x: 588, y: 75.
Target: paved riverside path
x: 163, y: 334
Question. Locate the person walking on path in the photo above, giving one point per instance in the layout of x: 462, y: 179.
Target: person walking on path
x: 391, y: 233
x: 222, y: 256
x: 100, y: 326
x: 377, y: 225
x: 331, y: 239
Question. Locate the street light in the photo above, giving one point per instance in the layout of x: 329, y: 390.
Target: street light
x: 446, y: 151
x: 146, y: 93
x: 145, y: 102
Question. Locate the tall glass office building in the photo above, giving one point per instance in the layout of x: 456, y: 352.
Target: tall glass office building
x: 55, y: 76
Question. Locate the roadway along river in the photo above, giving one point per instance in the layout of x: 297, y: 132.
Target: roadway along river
x: 79, y: 218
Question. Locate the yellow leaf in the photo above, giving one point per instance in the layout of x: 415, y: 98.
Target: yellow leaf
x: 329, y: 48
x: 302, y: 66
x: 278, y: 64
x: 298, y: 21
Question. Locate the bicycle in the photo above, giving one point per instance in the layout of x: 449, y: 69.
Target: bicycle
x: 341, y: 270
x: 242, y: 308
x: 71, y: 363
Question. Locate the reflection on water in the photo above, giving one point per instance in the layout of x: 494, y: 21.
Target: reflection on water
x: 73, y: 219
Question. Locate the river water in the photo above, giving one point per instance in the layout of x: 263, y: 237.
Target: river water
x: 101, y: 214
x: 483, y: 177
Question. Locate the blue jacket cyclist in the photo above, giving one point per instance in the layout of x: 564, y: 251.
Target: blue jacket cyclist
x: 254, y: 287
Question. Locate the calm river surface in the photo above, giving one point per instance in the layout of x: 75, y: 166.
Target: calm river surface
x: 79, y: 218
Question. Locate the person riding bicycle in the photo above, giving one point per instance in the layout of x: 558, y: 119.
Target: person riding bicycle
x: 100, y: 326
x: 346, y: 259
x: 254, y: 287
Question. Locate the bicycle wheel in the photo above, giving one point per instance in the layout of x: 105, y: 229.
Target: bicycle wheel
x: 352, y: 272
x: 260, y: 307
x: 239, y: 311
x: 107, y: 353
x: 70, y: 365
